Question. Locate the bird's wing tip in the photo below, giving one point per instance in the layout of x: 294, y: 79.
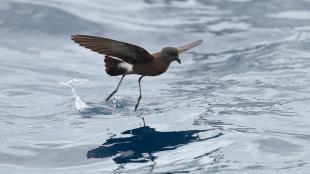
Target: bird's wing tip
x: 78, y: 35
x: 74, y: 36
x: 199, y: 41
x: 190, y: 45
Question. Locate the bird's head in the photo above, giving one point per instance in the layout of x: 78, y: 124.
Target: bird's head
x: 170, y: 54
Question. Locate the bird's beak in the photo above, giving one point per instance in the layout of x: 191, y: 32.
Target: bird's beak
x: 178, y: 60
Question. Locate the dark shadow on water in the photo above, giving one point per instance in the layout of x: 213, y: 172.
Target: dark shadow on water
x: 142, y: 142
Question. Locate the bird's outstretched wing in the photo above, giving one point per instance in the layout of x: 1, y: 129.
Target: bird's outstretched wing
x: 189, y: 46
x: 127, y: 52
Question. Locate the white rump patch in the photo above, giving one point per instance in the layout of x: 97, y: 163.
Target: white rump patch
x: 126, y: 66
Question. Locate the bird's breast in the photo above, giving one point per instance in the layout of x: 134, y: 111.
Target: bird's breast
x: 151, y: 68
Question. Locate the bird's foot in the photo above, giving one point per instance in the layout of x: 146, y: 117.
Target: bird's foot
x: 110, y: 95
x: 136, y: 107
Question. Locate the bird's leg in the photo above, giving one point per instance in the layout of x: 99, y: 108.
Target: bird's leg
x: 140, y: 96
x: 143, y: 121
x: 119, y: 83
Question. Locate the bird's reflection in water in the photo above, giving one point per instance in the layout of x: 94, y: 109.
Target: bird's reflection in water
x: 142, y: 143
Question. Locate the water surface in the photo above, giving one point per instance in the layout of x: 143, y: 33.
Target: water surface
x: 239, y: 103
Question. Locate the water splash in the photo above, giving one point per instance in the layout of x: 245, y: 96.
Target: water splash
x: 98, y: 107
x: 116, y: 101
x: 79, y: 104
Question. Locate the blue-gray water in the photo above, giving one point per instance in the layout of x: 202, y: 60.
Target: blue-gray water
x: 238, y: 103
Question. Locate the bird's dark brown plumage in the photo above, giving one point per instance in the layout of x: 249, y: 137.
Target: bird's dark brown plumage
x: 127, y: 52
x: 123, y: 58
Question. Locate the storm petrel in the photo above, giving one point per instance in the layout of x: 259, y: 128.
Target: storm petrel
x: 124, y: 58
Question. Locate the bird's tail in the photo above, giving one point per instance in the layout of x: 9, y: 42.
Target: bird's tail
x: 113, y: 67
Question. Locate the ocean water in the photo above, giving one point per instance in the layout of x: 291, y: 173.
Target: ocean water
x: 238, y: 103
